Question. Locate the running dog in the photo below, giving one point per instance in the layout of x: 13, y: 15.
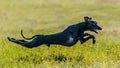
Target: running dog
x: 68, y: 37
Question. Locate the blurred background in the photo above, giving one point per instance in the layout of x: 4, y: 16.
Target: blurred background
x: 52, y: 16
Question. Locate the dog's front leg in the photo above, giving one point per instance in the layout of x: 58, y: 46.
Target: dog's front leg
x: 83, y: 40
x: 89, y: 36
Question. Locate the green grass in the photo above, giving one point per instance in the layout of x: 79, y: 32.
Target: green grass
x: 51, y: 16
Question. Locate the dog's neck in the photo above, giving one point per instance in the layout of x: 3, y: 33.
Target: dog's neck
x: 82, y: 26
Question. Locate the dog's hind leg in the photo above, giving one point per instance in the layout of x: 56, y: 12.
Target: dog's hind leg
x: 34, y: 43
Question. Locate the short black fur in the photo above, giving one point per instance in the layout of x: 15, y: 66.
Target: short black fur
x: 67, y: 37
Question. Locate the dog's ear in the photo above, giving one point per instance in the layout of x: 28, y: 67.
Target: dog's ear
x: 90, y: 18
x: 86, y: 18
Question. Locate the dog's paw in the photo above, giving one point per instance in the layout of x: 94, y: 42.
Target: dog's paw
x: 11, y: 39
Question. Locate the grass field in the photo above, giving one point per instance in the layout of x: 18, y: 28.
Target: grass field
x: 51, y: 16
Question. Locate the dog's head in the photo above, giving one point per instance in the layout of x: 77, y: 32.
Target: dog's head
x: 91, y: 25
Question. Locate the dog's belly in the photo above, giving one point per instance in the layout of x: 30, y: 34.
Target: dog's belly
x: 69, y: 42
x: 62, y: 39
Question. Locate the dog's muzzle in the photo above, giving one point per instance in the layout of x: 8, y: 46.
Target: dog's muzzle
x: 99, y: 28
x: 96, y: 30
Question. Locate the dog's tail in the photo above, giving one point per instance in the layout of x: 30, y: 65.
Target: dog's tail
x: 27, y: 38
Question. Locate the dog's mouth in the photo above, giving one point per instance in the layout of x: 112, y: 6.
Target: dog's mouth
x: 96, y: 31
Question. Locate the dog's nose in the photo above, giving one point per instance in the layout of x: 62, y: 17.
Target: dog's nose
x: 100, y: 28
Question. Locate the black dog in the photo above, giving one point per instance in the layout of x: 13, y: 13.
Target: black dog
x: 68, y: 37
